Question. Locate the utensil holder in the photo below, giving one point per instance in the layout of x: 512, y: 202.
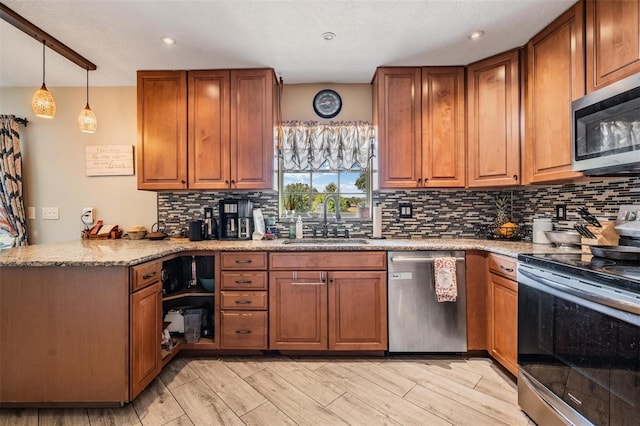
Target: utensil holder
x: 605, y: 236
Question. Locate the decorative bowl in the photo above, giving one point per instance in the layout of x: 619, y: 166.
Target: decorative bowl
x: 563, y: 238
x: 136, y: 235
x: 207, y: 283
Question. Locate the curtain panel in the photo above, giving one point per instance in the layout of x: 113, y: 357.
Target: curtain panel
x: 12, y: 214
x: 310, y: 146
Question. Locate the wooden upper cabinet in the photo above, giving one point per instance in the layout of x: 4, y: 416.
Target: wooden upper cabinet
x: 209, y: 149
x: 443, y: 127
x: 253, y: 120
x: 397, y: 103
x: 613, y: 41
x: 493, y: 140
x: 555, y: 77
x: 229, y: 122
x: 162, y: 130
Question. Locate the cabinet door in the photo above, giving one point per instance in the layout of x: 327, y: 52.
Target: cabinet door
x: 476, y: 281
x: 209, y: 146
x: 443, y: 127
x: 493, y: 121
x: 146, y: 335
x: 162, y: 130
x: 555, y: 77
x: 502, y: 327
x: 357, y: 310
x: 613, y: 41
x: 397, y: 98
x: 298, y: 310
x: 252, y: 128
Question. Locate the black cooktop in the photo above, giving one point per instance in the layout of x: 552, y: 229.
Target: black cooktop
x: 616, y: 273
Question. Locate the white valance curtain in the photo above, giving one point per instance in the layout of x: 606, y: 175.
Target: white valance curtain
x: 309, y: 146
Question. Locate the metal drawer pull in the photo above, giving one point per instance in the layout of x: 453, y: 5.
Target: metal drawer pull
x: 243, y: 302
x: 244, y: 261
x: 243, y: 281
x: 244, y: 331
x: 295, y: 281
x: 146, y: 276
x: 506, y: 269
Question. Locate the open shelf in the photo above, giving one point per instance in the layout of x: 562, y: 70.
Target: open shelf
x: 187, y: 292
x: 181, y: 343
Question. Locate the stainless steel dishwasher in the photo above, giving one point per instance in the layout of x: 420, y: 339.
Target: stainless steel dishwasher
x: 417, y: 321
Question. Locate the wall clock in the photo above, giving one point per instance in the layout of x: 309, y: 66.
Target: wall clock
x: 327, y: 103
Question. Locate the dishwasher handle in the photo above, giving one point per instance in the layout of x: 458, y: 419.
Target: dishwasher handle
x: 416, y: 259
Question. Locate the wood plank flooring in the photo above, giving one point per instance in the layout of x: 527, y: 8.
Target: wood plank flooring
x: 282, y: 390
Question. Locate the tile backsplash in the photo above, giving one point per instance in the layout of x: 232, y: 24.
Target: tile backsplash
x: 452, y: 213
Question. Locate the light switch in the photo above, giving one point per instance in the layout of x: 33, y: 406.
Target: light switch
x: 31, y: 213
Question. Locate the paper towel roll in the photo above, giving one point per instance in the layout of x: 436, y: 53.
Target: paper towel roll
x: 377, y: 222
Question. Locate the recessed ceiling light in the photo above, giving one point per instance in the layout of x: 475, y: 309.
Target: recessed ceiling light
x: 168, y: 40
x: 328, y: 36
x: 476, y: 35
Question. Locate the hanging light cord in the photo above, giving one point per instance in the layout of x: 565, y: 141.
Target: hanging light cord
x: 87, y: 86
x: 44, y: 43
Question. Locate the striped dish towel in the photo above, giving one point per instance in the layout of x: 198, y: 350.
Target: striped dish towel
x: 444, y: 272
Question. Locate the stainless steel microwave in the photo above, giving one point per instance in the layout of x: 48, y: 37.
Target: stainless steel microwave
x: 605, y: 134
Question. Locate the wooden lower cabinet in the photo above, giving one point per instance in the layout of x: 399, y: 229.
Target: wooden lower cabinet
x: 502, y: 312
x: 146, y: 332
x: 316, y: 310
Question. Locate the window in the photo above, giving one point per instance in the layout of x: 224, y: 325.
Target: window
x: 305, y: 192
x: 317, y: 160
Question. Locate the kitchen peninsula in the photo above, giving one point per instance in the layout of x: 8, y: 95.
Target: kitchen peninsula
x: 83, y: 318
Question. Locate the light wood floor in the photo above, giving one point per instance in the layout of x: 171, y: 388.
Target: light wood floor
x: 280, y: 390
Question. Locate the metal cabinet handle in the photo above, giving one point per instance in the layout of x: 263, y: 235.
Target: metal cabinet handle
x: 504, y: 268
x: 294, y: 280
x: 243, y: 281
x: 244, y: 331
x: 420, y: 182
x: 147, y: 276
x: 244, y: 261
x: 243, y: 302
x: 515, y: 177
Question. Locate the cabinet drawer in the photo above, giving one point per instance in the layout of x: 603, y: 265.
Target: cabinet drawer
x: 243, y: 260
x: 503, y: 265
x: 334, y: 261
x: 243, y: 330
x: 145, y: 274
x: 244, y: 300
x: 243, y: 280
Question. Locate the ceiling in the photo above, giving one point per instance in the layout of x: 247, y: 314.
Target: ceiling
x: 121, y: 37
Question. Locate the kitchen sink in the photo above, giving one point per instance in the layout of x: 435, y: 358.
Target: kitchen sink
x: 331, y: 241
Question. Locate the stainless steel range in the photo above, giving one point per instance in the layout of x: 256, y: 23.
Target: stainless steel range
x: 579, y: 339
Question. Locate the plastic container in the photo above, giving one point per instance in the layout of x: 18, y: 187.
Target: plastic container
x: 540, y: 226
x: 192, y: 325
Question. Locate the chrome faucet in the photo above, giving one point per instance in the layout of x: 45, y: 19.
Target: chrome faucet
x: 325, y: 227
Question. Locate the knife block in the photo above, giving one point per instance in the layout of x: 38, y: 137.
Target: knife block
x: 605, y: 236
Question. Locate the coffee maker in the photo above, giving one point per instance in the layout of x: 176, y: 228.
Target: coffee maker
x: 236, y: 219
x: 210, y: 225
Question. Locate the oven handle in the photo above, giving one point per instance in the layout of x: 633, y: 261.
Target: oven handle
x: 585, y: 294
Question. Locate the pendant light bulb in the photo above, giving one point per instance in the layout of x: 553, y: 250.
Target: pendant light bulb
x: 43, y: 103
x: 87, y: 120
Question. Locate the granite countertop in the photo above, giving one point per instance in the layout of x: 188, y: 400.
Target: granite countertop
x: 125, y: 252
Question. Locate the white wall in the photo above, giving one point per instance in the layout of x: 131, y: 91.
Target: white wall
x: 54, y: 164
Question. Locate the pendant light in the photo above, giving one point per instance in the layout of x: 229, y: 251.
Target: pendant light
x: 87, y: 119
x: 42, y: 103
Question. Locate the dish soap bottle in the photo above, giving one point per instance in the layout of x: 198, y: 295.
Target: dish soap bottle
x: 299, y: 227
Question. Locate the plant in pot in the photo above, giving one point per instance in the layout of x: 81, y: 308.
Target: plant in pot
x: 289, y: 203
x: 363, y: 210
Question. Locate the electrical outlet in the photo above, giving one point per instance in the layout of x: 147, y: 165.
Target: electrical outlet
x: 50, y: 213
x: 561, y: 212
x: 31, y: 213
x: 88, y: 215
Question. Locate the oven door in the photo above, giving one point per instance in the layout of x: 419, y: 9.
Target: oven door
x: 580, y: 356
